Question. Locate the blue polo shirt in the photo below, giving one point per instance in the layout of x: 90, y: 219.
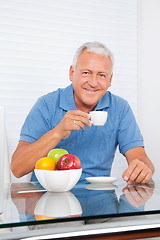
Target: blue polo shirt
x: 96, y: 145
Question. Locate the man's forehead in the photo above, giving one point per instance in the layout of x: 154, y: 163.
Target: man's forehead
x: 92, y: 60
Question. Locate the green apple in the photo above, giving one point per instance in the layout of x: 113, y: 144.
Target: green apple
x: 56, y: 153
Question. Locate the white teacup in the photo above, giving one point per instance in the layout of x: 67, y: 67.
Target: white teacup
x: 98, y: 118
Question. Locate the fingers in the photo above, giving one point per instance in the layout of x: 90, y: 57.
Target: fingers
x: 80, y: 117
x: 76, y: 125
x: 72, y: 120
x: 137, y: 171
x: 144, y: 177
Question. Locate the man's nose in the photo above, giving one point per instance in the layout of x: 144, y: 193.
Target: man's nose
x: 93, y: 80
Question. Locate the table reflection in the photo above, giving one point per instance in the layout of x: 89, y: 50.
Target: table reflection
x: 84, y: 201
x: 26, y: 202
x: 58, y: 205
x: 138, y: 194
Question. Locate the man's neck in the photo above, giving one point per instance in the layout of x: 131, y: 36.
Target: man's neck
x: 85, y: 109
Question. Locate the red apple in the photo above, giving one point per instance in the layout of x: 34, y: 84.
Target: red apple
x: 68, y: 161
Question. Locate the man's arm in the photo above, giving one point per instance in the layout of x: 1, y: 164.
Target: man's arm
x: 140, y: 168
x: 27, y: 154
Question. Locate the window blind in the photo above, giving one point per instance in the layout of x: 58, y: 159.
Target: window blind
x: 37, y: 42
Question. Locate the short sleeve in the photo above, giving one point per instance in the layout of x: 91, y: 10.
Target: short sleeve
x: 37, y: 122
x: 129, y: 135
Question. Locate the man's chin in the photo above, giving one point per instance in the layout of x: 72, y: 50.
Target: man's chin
x: 91, y: 99
x: 90, y: 104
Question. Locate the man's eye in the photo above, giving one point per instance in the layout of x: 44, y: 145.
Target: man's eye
x: 85, y: 73
x: 102, y: 75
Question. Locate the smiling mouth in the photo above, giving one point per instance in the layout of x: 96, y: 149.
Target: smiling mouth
x: 91, y: 91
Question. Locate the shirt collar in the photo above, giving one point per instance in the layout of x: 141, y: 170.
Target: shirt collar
x: 103, y: 102
x: 67, y: 100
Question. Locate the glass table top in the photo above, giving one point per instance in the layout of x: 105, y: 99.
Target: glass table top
x: 27, y: 204
x: 30, y: 203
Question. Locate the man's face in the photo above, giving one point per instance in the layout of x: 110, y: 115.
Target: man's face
x: 90, y: 80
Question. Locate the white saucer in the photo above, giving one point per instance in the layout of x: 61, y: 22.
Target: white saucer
x: 101, y: 179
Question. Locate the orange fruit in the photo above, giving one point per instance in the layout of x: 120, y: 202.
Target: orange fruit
x: 45, y: 163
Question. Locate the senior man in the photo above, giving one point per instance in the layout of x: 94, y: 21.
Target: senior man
x: 60, y: 119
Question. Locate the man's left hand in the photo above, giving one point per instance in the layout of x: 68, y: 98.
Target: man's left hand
x: 138, y: 172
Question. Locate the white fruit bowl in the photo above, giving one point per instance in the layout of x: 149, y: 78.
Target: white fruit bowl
x: 58, y: 180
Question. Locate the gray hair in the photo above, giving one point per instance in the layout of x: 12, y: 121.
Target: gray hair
x: 95, y: 47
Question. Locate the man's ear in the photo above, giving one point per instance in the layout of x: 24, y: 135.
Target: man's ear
x: 110, y: 80
x: 71, y: 71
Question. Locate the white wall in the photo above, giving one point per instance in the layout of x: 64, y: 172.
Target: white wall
x: 149, y: 78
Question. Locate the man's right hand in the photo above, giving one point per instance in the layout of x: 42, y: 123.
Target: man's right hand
x: 72, y: 120
x: 27, y: 154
